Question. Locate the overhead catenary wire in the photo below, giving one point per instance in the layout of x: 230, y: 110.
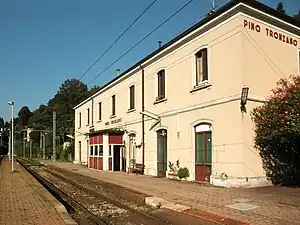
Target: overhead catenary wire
x: 103, y: 54
x: 139, y: 42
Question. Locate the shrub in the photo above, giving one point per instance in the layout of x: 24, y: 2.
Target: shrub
x: 183, y: 173
x: 172, y: 167
x: 277, y: 132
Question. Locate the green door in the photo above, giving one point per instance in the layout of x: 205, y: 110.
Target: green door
x: 203, y: 156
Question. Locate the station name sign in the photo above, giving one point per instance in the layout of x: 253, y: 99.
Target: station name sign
x: 113, y: 121
x: 270, y: 33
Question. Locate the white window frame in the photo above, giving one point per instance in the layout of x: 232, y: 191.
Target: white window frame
x: 156, y: 84
x: 128, y: 102
x: 194, y: 68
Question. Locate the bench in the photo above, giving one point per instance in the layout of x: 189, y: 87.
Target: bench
x: 138, y: 168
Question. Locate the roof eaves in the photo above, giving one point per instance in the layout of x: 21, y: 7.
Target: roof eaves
x: 254, y: 4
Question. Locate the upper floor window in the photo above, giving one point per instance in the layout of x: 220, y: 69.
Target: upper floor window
x: 161, y: 85
x: 201, y: 66
x: 100, y: 111
x: 79, y: 120
x: 131, y: 97
x: 88, y: 116
x: 113, y: 105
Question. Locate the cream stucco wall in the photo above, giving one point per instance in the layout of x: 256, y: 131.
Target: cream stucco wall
x: 237, y: 56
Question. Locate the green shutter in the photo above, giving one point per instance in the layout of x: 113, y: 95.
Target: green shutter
x: 199, y: 148
x: 208, y: 148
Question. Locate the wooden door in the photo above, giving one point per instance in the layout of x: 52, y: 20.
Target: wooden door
x: 162, y: 138
x: 203, y: 156
x: 132, y: 149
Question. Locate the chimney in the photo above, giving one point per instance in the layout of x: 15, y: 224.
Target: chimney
x: 118, y: 72
x: 159, y: 44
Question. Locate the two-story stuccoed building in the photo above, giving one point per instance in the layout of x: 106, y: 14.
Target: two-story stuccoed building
x: 191, y: 99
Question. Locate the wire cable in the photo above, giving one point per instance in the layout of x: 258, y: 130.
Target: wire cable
x: 101, y: 56
x: 130, y: 49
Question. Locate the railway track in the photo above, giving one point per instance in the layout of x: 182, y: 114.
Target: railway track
x: 86, y: 205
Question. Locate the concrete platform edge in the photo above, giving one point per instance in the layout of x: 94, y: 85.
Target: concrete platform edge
x: 59, y: 207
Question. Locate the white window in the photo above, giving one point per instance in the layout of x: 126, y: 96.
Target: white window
x: 201, y: 67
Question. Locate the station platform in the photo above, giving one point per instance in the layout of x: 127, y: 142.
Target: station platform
x: 24, y: 201
x: 267, y: 205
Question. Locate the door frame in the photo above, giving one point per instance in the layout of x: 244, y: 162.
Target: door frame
x: 113, y: 158
x: 165, y: 159
x: 209, y: 130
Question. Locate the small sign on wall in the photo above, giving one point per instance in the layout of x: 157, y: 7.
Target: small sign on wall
x: 113, y: 121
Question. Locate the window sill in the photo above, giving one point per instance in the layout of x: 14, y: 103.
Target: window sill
x: 112, y: 116
x: 159, y: 101
x: 200, y: 87
x: 131, y: 110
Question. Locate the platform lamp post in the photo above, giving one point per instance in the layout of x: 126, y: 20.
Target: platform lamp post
x: 1, y: 133
x: 12, y: 134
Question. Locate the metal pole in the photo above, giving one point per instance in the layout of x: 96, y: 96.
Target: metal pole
x: 44, y: 146
x: 9, y: 145
x: 24, y: 145
x: 1, y: 141
x: 54, y: 136
x: 143, y: 117
x: 41, y: 144
x: 30, y: 151
x: 12, y: 137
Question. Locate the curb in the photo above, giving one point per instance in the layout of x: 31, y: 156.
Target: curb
x: 157, y: 202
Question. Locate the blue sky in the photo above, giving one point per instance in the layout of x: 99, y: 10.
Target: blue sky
x: 43, y: 43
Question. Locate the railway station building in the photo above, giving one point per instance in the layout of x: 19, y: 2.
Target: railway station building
x: 191, y: 99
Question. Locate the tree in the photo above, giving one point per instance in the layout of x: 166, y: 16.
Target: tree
x: 1, y: 122
x: 277, y: 132
x: 280, y: 7
x: 297, y: 16
x: 24, y: 116
x: 93, y: 90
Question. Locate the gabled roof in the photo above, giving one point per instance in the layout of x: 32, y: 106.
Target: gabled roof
x: 227, y: 7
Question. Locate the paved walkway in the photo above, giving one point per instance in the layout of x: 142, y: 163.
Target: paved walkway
x: 23, y: 201
x: 269, y: 205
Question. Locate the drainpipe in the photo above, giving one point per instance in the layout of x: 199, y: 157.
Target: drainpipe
x: 92, y: 112
x: 143, y: 116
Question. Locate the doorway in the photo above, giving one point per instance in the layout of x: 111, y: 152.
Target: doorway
x: 132, y: 149
x: 203, y: 152
x: 162, y: 137
x: 116, y: 158
x: 79, y: 151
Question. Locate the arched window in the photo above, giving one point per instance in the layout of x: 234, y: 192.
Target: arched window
x: 131, y: 97
x: 161, y: 85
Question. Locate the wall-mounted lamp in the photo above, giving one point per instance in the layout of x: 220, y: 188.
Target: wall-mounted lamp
x: 244, y: 95
x: 244, y: 98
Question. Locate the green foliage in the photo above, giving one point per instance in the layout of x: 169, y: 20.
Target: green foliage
x: 277, y: 132
x: 1, y: 122
x: 183, y: 173
x: 297, y: 16
x: 172, y: 167
x: 280, y: 7
x: 24, y: 116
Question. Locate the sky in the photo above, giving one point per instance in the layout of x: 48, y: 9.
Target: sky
x: 43, y: 43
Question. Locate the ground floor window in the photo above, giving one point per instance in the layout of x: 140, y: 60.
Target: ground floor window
x: 96, y: 150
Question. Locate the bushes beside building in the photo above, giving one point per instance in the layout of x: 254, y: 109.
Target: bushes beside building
x: 277, y: 132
